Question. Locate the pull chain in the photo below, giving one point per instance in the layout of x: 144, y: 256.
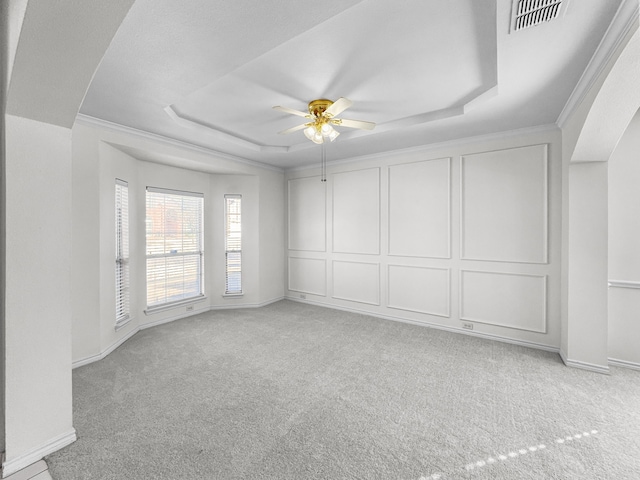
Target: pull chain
x: 323, y: 171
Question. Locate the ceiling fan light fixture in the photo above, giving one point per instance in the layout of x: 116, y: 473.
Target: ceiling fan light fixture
x: 322, y: 113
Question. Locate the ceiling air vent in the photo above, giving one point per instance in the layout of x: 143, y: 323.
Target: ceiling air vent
x: 533, y: 12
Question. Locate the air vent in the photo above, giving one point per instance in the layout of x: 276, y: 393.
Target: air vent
x: 529, y: 13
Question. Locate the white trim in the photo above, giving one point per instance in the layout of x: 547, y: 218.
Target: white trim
x: 489, y: 137
x: 33, y: 471
x: 623, y: 284
x: 38, y: 453
x: 173, y: 191
x: 488, y: 336
x: 116, y: 127
x: 94, y: 358
x: 625, y: 19
x: 168, y: 306
x: 592, y: 367
x: 120, y: 324
x: 624, y: 364
x: 162, y: 321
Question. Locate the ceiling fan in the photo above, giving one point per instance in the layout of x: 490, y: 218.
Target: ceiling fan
x: 322, y: 113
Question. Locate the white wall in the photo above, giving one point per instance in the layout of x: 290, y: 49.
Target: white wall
x: 99, y: 157
x: 38, y: 401
x: 624, y: 247
x: 452, y: 235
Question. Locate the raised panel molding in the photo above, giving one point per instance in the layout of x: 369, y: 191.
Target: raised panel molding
x: 307, y: 224
x: 511, y: 300
x: 504, y: 205
x: 624, y: 284
x: 420, y: 209
x: 420, y: 289
x: 308, y: 275
x: 356, y: 211
x: 356, y: 281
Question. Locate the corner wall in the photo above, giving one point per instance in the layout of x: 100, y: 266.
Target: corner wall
x: 463, y: 237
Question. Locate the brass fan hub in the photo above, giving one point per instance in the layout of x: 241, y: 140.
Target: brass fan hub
x: 318, y: 107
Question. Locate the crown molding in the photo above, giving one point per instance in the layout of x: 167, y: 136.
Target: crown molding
x: 624, y: 22
x: 157, y: 138
x: 539, y: 129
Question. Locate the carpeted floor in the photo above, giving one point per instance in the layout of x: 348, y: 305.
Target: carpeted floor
x: 293, y: 391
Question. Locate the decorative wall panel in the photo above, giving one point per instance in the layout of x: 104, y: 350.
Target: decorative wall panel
x: 308, y: 275
x: 504, y: 299
x: 420, y: 289
x: 356, y: 281
x: 307, y: 214
x: 356, y: 211
x: 419, y: 209
x: 504, y: 205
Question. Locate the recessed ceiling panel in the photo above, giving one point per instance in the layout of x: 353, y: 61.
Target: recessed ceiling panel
x: 448, y: 49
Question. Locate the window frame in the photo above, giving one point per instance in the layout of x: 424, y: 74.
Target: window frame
x: 198, y: 252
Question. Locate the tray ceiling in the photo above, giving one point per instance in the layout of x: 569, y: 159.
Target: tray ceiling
x: 208, y: 72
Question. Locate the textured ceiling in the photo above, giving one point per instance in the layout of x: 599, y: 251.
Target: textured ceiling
x: 208, y: 72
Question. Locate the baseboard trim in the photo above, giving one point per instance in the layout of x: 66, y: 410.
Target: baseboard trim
x: 104, y: 353
x: 100, y: 356
x: 624, y: 364
x: 488, y: 336
x: 37, y: 454
x: 592, y: 367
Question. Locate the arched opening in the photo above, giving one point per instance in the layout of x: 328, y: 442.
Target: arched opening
x: 585, y: 318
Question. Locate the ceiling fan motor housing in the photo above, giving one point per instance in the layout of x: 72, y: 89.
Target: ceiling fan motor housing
x: 318, y: 107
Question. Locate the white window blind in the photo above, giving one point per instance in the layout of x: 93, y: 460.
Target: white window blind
x: 175, y: 252
x: 122, y: 251
x: 233, y: 244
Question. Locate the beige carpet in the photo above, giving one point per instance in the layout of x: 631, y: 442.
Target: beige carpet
x: 292, y: 391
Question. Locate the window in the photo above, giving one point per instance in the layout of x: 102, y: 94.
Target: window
x: 122, y: 252
x: 174, y: 246
x: 233, y: 244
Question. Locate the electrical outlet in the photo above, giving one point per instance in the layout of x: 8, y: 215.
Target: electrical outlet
x: 467, y: 326
x: 303, y: 296
x: 189, y: 308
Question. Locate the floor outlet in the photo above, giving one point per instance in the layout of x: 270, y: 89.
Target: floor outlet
x: 467, y: 326
x: 304, y: 297
x: 190, y: 308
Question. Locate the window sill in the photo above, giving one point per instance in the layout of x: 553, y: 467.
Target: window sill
x: 233, y: 295
x: 169, y: 306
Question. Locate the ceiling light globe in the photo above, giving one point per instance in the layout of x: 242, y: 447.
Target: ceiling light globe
x: 317, y: 138
x: 309, y: 132
x: 333, y: 135
x: 326, y: 129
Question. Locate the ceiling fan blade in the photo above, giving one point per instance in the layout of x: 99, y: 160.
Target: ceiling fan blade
x: 343, y: 122
x: 293, y: 129
x: 292, y: 111
x: 337, y: 107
